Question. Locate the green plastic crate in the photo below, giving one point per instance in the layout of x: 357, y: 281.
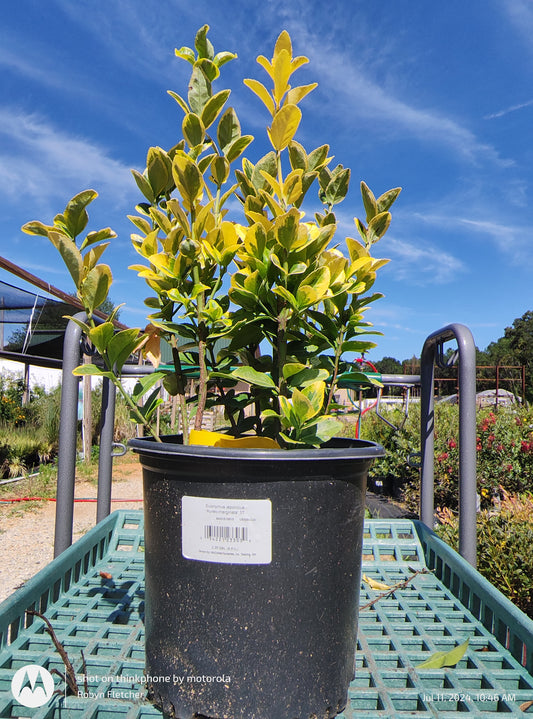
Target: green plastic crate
x: 434, y: 612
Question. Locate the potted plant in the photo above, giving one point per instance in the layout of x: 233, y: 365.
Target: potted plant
x: 253, y: 535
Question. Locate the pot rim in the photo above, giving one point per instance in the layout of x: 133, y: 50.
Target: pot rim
x: 349, y: 449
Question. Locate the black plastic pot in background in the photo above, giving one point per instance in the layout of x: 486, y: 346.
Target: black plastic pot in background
x: 253, y: 564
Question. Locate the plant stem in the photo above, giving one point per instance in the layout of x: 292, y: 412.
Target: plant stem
x: 202, y: 381
x: 338, y: 353
x: 180, y: 390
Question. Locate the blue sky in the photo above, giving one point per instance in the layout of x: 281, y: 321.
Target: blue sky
x: 434, y: 97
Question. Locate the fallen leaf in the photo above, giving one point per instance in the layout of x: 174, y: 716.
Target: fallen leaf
x: 445, y: 659
x: 106, y: 575
x: 374, y: 584
x: 525, y: 706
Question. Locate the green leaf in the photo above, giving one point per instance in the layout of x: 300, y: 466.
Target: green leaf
x: 354, y: 346
x: 314, y: 392
x: 188, y: 179
x: 185, y: 53
x: 219, y: 170
x: 144, y: 384
x: 75, y: 214
x: 445, y: 659
x: 209, y: 68
x: 387, y: 199
x: 268, y: 164
x: 297, y: 156
x: 229, y: 128
x: 150, y: 404
x: 321, y: 431
x: 121, y: 346
x: 291, y: 368
x: 181, y: 102
x: 253, y: 377
x: 144, y: 186
x: 307, y: 376
x: 97, y: 236
x: 221, y: 58
x: 37, y: 228
x: 83, y: 325
x: 159, y: 170
x: 70, y: 254
x: 213, y: 107
x: 193, y: 129
x: 337, y: 188
x: 203, y: 46
x: 171, y: 384
x: 95, y: 287
x: 199, y: 91
x: 317, y: 158
x: 369, y: 201
x: 283, y: 292
x: 101, y: 335
x: 237, y: 147
x: 302, y: 408
x: 377, y: 226
x: 92, y: 370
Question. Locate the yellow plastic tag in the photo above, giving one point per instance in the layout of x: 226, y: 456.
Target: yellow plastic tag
x: 217, y: 439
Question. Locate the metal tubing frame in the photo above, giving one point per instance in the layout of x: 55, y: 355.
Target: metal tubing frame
x: 105, y: 457
x: 68, y: 432
x: 467, y: 434
x: 68, y: 425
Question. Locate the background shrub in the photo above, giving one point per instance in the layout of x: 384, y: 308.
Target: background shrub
x: 505, y: 538
x: 504, y: 448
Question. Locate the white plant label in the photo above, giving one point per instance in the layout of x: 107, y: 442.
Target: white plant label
x: 230, y: 531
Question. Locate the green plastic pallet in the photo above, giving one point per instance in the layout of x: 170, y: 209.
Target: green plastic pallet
x: 434, y: 612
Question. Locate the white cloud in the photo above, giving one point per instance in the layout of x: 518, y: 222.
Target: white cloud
x: 40, y: 162
x: 353, y: 84
x: 520, y: 13
x: 423, y: 264
x: 507, y: 110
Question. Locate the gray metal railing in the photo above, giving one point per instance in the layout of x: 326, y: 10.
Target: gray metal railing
x: 467, y: 433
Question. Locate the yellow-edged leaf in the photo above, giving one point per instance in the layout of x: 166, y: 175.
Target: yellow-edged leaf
x: 282, y: 72
x: 266, y: 65
x: 284, y: 126
x: 262, y: 93
x: 296, y: 94
x: 95, y: 287
x: 283, y: 43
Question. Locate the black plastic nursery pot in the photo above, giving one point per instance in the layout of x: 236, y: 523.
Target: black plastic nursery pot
x: 253, y: 566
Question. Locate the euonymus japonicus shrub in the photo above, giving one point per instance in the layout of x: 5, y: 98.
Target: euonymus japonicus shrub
x: 268, y: 296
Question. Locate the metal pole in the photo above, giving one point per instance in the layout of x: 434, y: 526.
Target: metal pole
x: 427, y: 432
x: 467, y: 444
x: 68, y: 426
x: 105, y: 458
x: 467, y: 434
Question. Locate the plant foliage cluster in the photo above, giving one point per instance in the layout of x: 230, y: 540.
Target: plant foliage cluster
x: 504, y: 546
x: 274, y: 281
x: 504, y: 451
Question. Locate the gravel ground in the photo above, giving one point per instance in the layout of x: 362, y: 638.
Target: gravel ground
x: 27, y: 535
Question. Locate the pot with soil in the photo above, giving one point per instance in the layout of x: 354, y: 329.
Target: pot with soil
x: 253, y: 564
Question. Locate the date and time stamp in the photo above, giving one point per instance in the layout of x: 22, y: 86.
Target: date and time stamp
x: 463, y: 697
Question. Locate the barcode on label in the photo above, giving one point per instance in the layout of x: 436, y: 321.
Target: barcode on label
x: 225, y: 533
